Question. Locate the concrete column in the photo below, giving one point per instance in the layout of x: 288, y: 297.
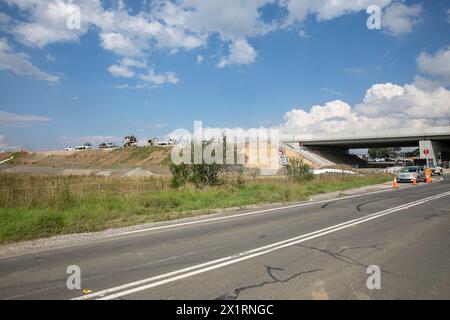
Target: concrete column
x: 435, y: 148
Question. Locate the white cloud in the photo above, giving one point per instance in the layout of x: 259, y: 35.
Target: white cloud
x: 133, y: 63
x: 172, y: 25
x: 128, y: 68
x: 385, y: 106
x: 13, y: 120
x: 121, y: 71
x: 437, y: 65
x: 399, y: 19
x: 19, y: 63
x: 200, y: 59
x: 240, y: 53
x: 298, y: 10
x: 427, y: 84
x: 158, y: 79
x: 119, y: 44
x: 46, y: 21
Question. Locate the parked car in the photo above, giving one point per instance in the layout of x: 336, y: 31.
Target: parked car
x: 86, y: 146
x: 107, y: 145
x: 408, y: 174
x: 70, y: 149
x: 436, y: 169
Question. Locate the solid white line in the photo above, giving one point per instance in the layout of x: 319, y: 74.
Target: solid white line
x: 240, y: 215
x: 3, y: 161
x: 215, y: 264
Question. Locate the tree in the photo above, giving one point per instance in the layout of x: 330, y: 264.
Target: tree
x: 379, y: 153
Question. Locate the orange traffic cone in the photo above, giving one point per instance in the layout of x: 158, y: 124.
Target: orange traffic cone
x: 427, y: 179
x: 414, y: 181
x: 395, y: 185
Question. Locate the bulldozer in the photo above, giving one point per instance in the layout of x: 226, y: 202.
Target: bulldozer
x: 130, y: 141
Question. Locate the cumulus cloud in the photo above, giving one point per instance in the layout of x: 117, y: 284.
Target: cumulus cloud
x: 119, y: 44
x: 437, y: 65
x: 399, y: 19
x: 9, y: 119
x: 159, y: 78
x: 241, y: 52
x: 19, y: 63
x: 138, y: 69
x: 298, y: 10
x: 384, y: 106
x: 46, y: 21
x: 183, y: 24
x: 121, y: 71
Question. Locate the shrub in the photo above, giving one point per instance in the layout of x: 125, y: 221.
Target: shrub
x: 299, y: 171
x: 180, y: 175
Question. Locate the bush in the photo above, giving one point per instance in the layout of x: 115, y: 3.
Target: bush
x: 201, y: 175
x: 180, y: 175
x: 299, y: 171
x: 206, y: 174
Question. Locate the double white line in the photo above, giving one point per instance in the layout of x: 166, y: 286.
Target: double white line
x: 145, y: 284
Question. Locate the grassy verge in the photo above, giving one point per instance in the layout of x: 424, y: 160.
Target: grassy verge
x: 40, y: 206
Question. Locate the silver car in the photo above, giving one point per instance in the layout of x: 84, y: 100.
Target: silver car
x: 408, y: 174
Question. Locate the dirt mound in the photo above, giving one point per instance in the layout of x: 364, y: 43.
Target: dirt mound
x: 147, y: 157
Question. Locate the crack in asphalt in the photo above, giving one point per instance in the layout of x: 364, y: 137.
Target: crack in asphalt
x: 275, y: 280
x: 345, y: 258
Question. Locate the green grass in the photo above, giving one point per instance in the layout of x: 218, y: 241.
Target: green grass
x: 40, y: 206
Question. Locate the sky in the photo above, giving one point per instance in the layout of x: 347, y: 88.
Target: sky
x: 97, y: 71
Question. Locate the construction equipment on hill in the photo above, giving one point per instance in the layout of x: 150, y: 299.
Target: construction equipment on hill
x: 130, y: 141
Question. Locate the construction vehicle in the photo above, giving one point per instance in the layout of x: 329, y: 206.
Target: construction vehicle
x: 130, y: 141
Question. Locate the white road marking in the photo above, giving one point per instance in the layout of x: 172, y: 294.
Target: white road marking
x: 6, y: 160
x: 240, y: 215
x: 152, y: 282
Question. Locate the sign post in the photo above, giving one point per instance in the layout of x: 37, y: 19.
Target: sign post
x: 284, y: 162
x: 427, y: 152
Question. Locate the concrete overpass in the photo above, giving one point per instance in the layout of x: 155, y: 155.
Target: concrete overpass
x: 435, y: 139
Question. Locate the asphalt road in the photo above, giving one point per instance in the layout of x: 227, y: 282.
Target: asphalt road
x: 315, y: 250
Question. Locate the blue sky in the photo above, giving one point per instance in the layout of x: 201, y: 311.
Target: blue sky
x: 226, y: 74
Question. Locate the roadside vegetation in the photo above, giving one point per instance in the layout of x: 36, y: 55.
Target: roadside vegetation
x: 39, y: 206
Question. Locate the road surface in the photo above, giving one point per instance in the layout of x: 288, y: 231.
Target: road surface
x: 317, y: 250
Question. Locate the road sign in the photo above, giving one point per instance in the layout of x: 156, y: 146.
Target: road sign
x: 426, y: 152
x: 282, y: 152
x: 284, y: 160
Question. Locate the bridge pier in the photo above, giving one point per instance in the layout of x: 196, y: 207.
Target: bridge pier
x: 436, y: 149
